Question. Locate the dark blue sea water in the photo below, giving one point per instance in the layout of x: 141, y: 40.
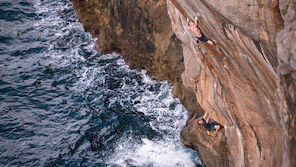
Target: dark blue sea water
x: 63, y: 104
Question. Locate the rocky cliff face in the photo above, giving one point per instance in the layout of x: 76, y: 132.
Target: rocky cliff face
x: 141, y: 31
x: 286, y: 71
x: 248, y: 86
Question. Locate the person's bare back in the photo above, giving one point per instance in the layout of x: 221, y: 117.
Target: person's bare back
x: 192, y: 26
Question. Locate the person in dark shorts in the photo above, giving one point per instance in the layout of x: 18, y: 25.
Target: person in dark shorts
x: 198, y: 35
x: 212, y: 128
x: 203, y: 38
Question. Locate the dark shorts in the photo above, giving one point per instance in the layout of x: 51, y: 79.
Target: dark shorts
x: 209, y: 126
x: 203, y: 38
x: 212, y: 126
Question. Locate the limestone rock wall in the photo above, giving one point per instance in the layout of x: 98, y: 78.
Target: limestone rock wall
x: 248, y: 85
x: 239, y: 85
x: 286, y: 70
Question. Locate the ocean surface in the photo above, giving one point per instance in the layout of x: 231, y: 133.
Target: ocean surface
x: 64, y: 104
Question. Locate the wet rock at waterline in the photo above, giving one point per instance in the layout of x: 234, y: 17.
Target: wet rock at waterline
x: 248, y: 85
x: 141, y: 32
x: 64, y: 104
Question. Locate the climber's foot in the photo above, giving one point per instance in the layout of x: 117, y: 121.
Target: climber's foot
x: 218, y: 46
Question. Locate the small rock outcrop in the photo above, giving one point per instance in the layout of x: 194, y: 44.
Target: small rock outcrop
x: 248, y: 85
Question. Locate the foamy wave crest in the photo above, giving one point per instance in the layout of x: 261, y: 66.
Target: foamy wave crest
x: 159, y: 153
x: 169, y: 117
x: 108, y: 77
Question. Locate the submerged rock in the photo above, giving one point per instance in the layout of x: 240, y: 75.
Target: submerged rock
x: 248, y: 85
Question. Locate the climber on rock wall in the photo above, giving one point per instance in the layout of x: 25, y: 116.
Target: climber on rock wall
x: 212, y: 128
x: 198, y: 34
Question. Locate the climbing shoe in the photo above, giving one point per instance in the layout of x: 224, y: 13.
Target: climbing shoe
x: 218, y: 46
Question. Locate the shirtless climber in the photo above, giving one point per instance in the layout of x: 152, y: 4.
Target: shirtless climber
x: 198, y: 35
x: 211, y: 127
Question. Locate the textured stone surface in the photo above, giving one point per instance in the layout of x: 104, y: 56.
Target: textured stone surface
x: 213, y: 151
x: 248, y: 85
x: 238, y: 85
x: 286, y: 51
x: 141, y: 31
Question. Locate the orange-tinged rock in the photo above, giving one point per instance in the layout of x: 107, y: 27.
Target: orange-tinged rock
x: 237, y: 85
x: 248, y: 86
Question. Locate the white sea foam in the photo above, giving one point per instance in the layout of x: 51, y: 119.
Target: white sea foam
x: 63, y: 29
x: 169, y: 114
x: 166, y: 151
x: 154, y: 153
x: 146, y: 78
x: 86, y: 79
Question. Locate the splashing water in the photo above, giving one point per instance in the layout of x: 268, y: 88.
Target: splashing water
x: 62, y: 103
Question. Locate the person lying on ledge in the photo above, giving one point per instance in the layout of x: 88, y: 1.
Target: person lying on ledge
x: 212, y: 128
